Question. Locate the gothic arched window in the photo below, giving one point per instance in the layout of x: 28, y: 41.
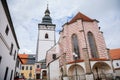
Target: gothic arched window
x: 46, y: 36
x: 75, y: 45
x: 92, y: 45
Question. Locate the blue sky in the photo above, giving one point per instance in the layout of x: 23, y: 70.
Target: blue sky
x: 27, y: 14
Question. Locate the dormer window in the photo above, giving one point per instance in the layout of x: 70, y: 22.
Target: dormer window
x: 46, y: 36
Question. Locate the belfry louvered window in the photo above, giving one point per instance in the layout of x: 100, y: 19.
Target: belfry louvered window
x: 46, y: 36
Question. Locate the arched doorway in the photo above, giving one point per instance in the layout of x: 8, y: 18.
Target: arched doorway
x: 102, y: 70
x: 76, y: 72
x: 44, y: 75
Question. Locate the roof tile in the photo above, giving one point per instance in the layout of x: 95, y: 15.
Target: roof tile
x: 27, y: 58
x: 80, y: 16
x: 115, y: 53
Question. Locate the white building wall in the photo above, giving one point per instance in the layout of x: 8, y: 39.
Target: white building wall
x: 116, y: 64
x: 54, y: 72
x: 5, y: 45
x: 45, y: 44
x: 51, y: 34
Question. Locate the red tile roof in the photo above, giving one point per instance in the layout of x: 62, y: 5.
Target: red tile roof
x: 115, y: 53
x: 80, y: 16
x: 27, y: 58
x: 23, y: 57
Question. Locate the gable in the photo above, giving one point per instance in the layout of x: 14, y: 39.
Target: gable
x: 80, y: 16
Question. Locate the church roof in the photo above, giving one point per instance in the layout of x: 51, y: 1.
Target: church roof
x: 115, y: 53
x: 80, y: 16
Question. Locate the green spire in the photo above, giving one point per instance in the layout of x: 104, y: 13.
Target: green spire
x: 47, y: 19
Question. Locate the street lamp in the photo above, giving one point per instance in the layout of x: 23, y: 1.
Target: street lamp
x: 75, y: 57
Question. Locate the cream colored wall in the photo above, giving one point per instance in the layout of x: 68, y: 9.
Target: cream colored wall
x: 26, y: 72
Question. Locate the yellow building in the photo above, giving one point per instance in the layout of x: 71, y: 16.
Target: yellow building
x: 28, y: 67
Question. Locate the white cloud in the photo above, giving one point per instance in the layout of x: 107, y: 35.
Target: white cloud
x: 26, y: 51
x: 26, y: 14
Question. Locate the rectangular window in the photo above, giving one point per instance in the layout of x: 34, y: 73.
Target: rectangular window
x: 54, y: 56
x: 11, y: 75
x: 11, y: 49
x: 38, y: 76
x: 30, y: 67
x: 6, y: 72
x: 26, y: 67
x: 22, y: 74
x: 15, y: 55
x: 30, y: 74
x: 22, y: 67
x: 17, y: 64
x: 7, y: 30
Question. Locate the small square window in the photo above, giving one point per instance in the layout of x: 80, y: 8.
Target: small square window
x: 117, y: 64
x: 7, y: 30
x: 46, y: 36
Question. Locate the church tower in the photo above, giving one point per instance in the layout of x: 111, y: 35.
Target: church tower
x: 46, y: 36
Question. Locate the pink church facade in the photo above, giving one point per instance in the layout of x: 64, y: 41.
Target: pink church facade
x: 82, y: 37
